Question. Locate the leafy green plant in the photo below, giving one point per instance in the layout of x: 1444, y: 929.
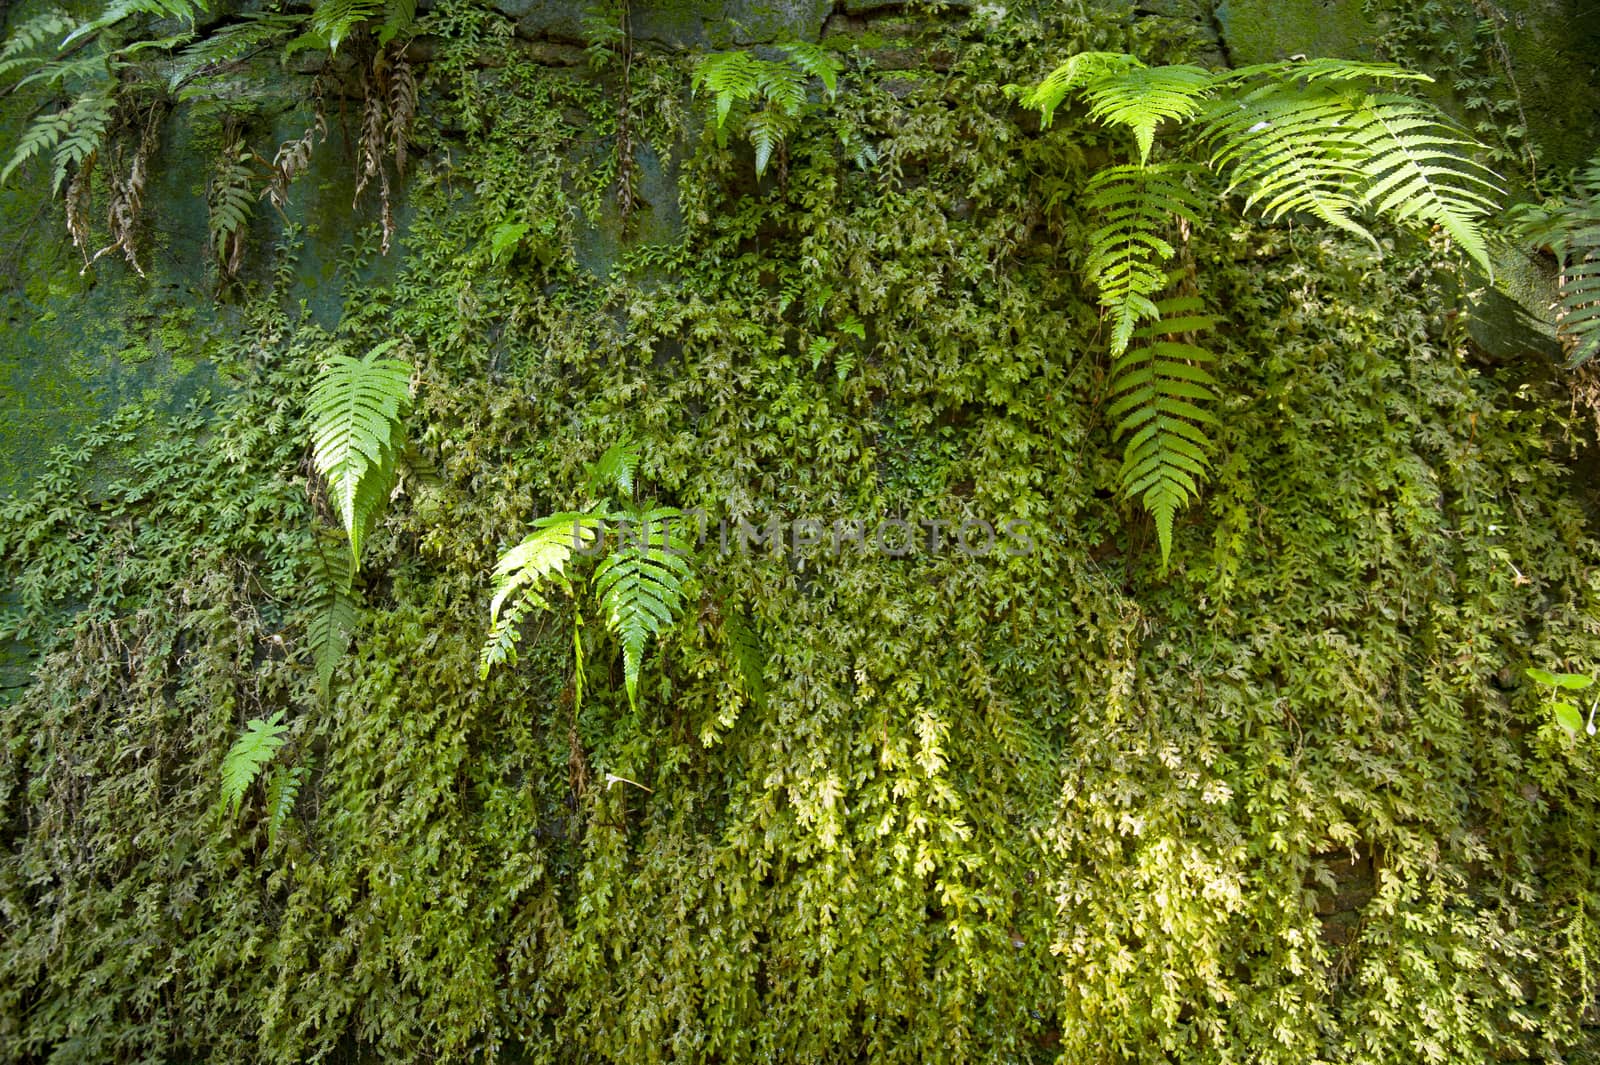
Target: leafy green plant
x: 1322, y: 138
x: 1569, y: 227
x: 763, y: 98
x: 357, y: 409
x: 1558, y: 698
x: 256, y: 746
x: 640, y: 585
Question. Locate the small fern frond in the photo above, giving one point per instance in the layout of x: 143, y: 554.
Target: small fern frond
x: 1161, y: 396
x: 254, y: 748
x: 1074, y: 74
x: 334, y: 613
x: 616, y: 468
x: 1142, y: 98
x: 1136, y: 207
x: 523, y: 572
x: 87, y: 119
x: 814, y: 61
x: 333, y: 20
x: 356, y: 408
x: 1578, y: 315
x: 642, y: 586
x: 398, y: 16
x: 730, y: 77
x: 231, y: 203
x: 230, y: 44
x: 283, y: 788
x: 768, y: 128
x: 748, y: 655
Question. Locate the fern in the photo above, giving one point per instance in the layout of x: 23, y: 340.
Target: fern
x: 1160, y: 395
x: 32, y: 36
x: 228, y: 45
x: 356, y: 408
x: 1570, y: 229
x: 523, y: 573
x: 334, y: 613
x: 283, y: 788
x: 1129, y: 250
x: 739, y: 79
x: 333, y: 20
x: 617, y: 467
x: 641, y: 586
x: 1076, y: 73
x: 1140, y: 99
x: 254, y: 748
x: 231, y: 203
x: 748, y: 655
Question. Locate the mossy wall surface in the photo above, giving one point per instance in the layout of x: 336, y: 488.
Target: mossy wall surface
x: 1287, y: 800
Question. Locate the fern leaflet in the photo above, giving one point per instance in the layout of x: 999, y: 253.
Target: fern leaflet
x: 1161, y: 394
x: 356, y: 408
x: 334, y: 613
x: 641, y: 586
x: 1142, y: 98
x: 617, y: 467
x: 254, y: 748
x: 283, y: 788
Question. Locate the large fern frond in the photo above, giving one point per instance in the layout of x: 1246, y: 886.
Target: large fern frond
x: 1570, y: 229
x: 522, y: 574
x: 1420, y: 169
x: 356, y: 408
x: 1136, y: 208
x: 1142, y: 98
x: 642, y: 586
x: 254, y: 748
x: 1161, y: 400
x: 230, y: 44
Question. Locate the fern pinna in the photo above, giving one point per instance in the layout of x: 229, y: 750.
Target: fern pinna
x: 357, y: 407
x: 1323, y: 138
x: 739, y: 81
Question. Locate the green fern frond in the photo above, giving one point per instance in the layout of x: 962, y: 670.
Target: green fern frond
x: 1578, y: 316
x: 333, y: 20
x: 768, y: 129
x: 356, y: 407
x: 731, y: 77
x: 231, y: 44
x: 1074, y: 74
x: 1418, y: 169
x: 816, y: 62
x: 1136, y: 207
x: 521, y: 575
x: 748, y: 655
x: 616, y: 468
x: 1569, y: 228
x: 35, y: 34
x: 91, y: 66
x: 334, y: 613
x: 115, y: 12
x: 1288, y: 147
x: 283, y: 788
x: 1142, y: 98
x: 1320, y: 69
x: 398, y: 16
x: 1161, y: 399
x: 254, y: 748
x: 642, y: 587
x: 87, y: 119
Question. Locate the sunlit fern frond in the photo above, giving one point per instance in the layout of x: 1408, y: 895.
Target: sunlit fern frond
x: 730, y: 77
x: 1077, y: 72
x: 356, y: 409
x: 1288, y: 148
x: 1161, y: 400
x: 1140, y: 99
x: 255, y: 747
x: 523, y: 574
x: 1136, y: 209
x: 642, y: 585
x: 1418, y: 168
